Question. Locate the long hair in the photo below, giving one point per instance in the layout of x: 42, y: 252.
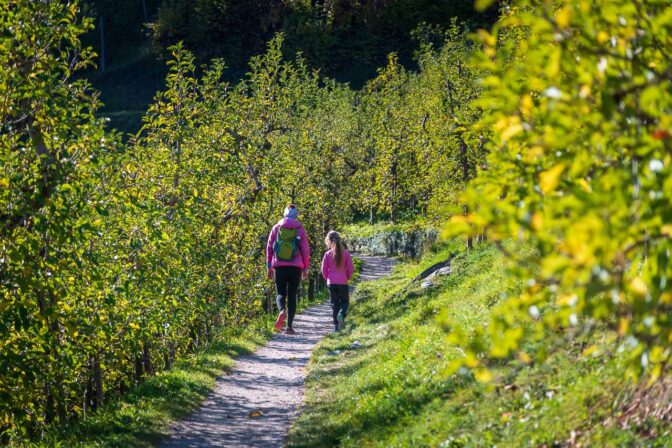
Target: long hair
x: 334, y: 238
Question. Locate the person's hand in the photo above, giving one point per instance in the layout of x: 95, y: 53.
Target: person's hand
x: 270, y: 273
x: 304, y: 275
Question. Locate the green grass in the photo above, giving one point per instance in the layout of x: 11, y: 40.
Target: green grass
x: 395, y: 392
x: 142, y: 418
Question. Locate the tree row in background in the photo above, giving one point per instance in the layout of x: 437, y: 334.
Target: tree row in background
x: 118, y: 258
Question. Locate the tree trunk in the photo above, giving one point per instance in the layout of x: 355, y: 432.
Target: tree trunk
x: 147, y: 359
x: 464, y: 161
x: 138, y: 368
x: 60, y: 402
x: 97, y: 383
x: 48, y: 404
x: 470, y: 242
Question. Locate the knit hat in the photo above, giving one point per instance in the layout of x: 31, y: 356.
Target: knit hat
x: 291, y: 212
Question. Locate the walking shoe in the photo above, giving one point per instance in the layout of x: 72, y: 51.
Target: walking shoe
x: 341, y: 320
x: 280, y: 320
x: 290, y: 330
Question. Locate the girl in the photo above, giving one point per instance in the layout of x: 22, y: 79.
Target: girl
x: 337, y: 270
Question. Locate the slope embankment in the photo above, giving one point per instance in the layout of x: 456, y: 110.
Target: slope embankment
x: 385, y: 383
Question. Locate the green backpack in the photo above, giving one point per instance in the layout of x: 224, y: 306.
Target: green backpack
x: 286, y: 245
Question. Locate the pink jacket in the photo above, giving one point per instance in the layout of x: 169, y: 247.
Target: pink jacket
x: 337, y: 275
x: 301, y: 259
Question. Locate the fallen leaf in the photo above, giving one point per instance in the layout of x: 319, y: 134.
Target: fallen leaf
x: 255, y: 414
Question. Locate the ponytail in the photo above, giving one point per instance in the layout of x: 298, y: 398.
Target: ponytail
x: 339, y: 247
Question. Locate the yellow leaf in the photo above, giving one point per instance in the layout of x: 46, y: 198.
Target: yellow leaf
x: 585, y: 186
x: 589, y: 350
x: 483, y: 375
x: 666, y: 230
x: 568, y: 300
x: 526, y: 105
x: 524, y: 357
x: 585, y: 91
x: 511, y: 131
x: 638, y: 287
x: 563, y: 17
x: 255, y: 414
x: 537, y: 221
x: 623, y: 326
x: 487, y: 38
x: 533, y: 153
x: 4, y: 182
x: 549, y: 179
x: 665, y: 297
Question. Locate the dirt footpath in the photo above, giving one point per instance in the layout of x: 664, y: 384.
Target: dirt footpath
x: 256, y: 402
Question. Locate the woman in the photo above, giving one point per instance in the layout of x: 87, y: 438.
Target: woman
x: 337, y: 270
x: 287, y: 262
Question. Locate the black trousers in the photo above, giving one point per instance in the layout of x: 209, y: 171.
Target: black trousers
x: 339, y: 296
x: 287, y: 279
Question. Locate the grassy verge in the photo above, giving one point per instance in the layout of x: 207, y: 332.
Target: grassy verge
x: 143, y: 417
x: 394, y: 392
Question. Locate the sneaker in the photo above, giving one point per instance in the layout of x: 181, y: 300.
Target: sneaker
x: 290, y: 330
x: 280, y: 320
x: 341, y: 320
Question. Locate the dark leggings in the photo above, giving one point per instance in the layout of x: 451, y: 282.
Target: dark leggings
x: 287, y: 279
x: 339, y: 296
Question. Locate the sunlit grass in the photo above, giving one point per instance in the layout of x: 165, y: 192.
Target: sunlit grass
x: 394, y: 391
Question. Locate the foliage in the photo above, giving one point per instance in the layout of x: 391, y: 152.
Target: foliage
x: 412, y: 149
x: 116, y: 263
x: 578, y: 127
x: 50, y: 203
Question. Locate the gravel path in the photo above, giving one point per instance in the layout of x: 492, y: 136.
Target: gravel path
x: 271, y: 381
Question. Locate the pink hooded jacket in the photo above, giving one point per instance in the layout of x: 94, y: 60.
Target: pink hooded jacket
x: 337, y: 275
x: 302, y: 258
